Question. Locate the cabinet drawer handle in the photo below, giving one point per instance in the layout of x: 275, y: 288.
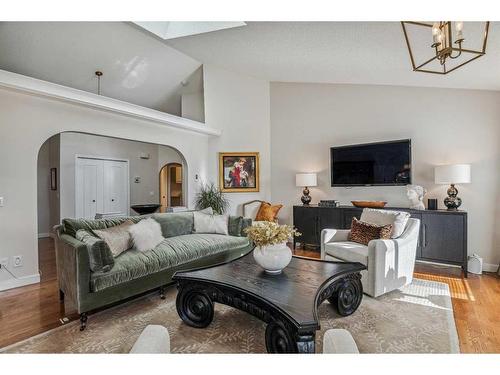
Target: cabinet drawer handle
x: 425, y: 235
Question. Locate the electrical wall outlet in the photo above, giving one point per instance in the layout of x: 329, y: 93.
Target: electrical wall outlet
x: 4, y: 262
x: 17, y: 260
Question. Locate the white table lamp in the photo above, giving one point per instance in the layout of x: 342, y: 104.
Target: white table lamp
x: 452, y: 174
x: 306, y: 180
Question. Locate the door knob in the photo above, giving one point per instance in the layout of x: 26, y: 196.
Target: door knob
x: 93, y: 200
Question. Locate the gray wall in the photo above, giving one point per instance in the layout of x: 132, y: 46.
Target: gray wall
x: 48, y: 200
x: 43, y: 196
x: 445, y: 126
x: 147, y: 191
x: 239, y: 106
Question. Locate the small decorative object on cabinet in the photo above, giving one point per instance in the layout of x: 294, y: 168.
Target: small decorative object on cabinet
x: 306, y: 180
x: 432, y: 204
x: 271, y: 251
x: 369, y: 204
x: 415, y: 194
x: 238, y: 172
x: 452, y: 174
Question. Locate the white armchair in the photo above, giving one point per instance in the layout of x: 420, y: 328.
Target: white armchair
x: 389, y: 263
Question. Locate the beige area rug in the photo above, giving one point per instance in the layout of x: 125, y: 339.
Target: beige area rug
x: 416, y: 319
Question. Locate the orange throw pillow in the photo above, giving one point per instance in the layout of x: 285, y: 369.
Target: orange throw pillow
x: 267, y: 212
x: 362, y: 232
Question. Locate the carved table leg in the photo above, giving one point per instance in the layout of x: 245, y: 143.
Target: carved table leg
x: 194, y: 306
x: 83, y: 321
x: 280, y: 339
x: 348, y: 295
x: 162, y: 292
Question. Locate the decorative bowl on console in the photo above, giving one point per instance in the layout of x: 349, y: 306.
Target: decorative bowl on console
x: 369, y: 204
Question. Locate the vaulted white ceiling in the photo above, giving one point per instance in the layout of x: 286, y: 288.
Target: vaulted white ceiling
x: 138, y: 68
x: 143, y: 69
x: 337, y: 52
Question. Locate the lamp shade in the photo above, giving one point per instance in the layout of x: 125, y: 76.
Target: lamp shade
x: 452, y: 174
x: 306, y: 179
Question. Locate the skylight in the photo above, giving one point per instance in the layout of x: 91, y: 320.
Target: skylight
x: 171, y: 30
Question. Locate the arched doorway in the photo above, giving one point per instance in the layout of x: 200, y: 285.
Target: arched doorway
x: 171, y: 186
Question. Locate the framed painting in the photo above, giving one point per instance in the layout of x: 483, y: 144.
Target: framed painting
x: 239, y: 172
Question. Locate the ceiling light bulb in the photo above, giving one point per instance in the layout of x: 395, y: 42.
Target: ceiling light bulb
x: 435, y: 32
x: 459, y: 26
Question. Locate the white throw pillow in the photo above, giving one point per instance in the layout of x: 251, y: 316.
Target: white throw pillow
x: 146, y: 234
x: 398, y: 219
x: 205, y: 223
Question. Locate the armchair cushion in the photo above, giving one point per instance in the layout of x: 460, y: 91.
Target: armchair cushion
x: 398, y: 219
x: 347, y: 251
x: 362, y: 232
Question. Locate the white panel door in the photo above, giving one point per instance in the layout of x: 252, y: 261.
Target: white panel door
x: 115, y: 187
x: 88, y: 187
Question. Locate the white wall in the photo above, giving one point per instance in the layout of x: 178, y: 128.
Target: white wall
x: 73, y: 144
x: 239, y: 106
x: 43, y: 189
x: 26, y: 121
x: 445, y: 126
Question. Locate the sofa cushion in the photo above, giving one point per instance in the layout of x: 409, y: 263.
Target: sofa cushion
x: 146, y: 234
x: 205, y: 223
x: 117, y: 238
x: 171, y: 252
x: 100, y: 256
x: 234, y: 225
x: 348, y: 251
x: 175, y: 224
x: 71, y: 226
x: 398, y: 219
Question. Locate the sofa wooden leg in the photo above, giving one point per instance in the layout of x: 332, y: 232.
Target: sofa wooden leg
x: 61, y: 295
x: 162, y: 292
x: 83, y: 321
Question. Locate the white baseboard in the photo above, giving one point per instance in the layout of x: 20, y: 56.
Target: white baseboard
x: 21, y: 281
x: 46, y: 235
x: 490, y: 267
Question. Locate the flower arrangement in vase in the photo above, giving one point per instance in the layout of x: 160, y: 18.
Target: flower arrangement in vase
x: 271, y: 251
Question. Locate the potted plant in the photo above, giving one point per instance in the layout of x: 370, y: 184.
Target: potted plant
x: 211, y: 196
x: 271, y: 251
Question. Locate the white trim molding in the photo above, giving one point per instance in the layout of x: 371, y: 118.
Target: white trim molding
x: 490, y: 267
x: 18, y: 282
x: 42, y: 88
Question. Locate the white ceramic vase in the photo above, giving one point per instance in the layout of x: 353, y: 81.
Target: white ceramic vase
x: 273, y: 258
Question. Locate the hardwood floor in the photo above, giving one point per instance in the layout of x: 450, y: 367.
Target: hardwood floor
x: 33, y: 309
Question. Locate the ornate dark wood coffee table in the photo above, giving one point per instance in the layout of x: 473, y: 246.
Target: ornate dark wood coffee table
x: 287, y: 302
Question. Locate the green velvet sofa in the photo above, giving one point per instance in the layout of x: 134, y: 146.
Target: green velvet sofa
x: 136, y: 272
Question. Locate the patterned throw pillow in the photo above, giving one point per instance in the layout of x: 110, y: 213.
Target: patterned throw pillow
x: 267, y: 212
x: 363, y: 233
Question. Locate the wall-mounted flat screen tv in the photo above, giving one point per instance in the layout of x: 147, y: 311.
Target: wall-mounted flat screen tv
x: 382, y: 163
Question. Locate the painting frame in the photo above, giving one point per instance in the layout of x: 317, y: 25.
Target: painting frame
x: 223, y: 156
x: 53, y: 178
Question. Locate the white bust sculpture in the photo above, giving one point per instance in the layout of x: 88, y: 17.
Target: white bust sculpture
x: 415, y: 194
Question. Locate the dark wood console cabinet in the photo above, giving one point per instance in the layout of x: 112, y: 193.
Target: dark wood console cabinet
x: 443, y: 234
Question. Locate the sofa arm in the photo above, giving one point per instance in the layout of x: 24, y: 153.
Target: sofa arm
x: 333, y: 235
x: 390, y: 263
x: 73, y: 269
